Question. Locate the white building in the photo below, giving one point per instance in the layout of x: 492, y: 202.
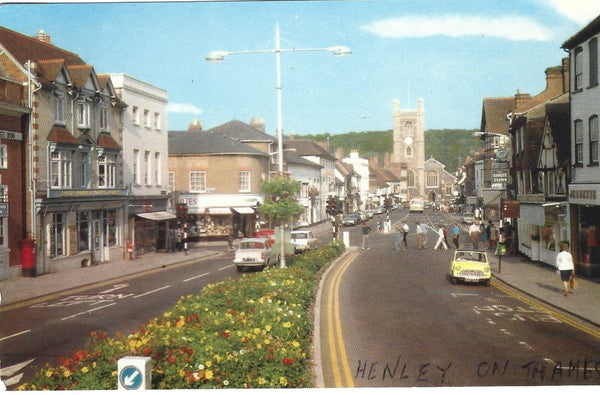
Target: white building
x: 361, y: 167
x: 145, y: 158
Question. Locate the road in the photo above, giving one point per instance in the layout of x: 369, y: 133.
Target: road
x: 41, y: 333
x: 392, y: 319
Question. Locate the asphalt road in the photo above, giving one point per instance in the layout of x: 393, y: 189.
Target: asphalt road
x: 392, y: 319
x: 41, y: 333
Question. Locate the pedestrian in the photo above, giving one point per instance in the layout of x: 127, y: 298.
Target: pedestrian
x: 424, y: 229
x: 365, y: 240
x: 455, y: 234
x: 508, y: 238
x: 474, y: 231
x: 440, y: 240
x: 397, y: 238
x: 565, y: 266
x: 405, y: 230
x: 419, y: 235
x: 484, y: 235
x: 493, y: 235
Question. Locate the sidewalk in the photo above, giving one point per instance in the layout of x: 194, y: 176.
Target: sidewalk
x: 540, y: 281
x: 21, y: 289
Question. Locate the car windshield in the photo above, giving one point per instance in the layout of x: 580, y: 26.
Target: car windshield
x: 249, y: 245
x: 299, y: 236
x: 470, y: 256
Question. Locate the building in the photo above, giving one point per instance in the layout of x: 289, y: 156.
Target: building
x: 75, y: 158
x: 145, y: 160
x: 14, y: 135
x: 308, y: 174
x: 439, y: 184
x: 584, y: 187
x: 361, y: 197
x: 409, y: 146
x: 219, y: 180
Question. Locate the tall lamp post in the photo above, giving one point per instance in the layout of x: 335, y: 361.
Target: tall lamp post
x: 218, y: 56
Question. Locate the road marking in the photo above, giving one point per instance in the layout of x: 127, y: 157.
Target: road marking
x: 226, y: 267
x: 151, y: 292
x: 556, y: 315
x: 456, y: 295
x: 10, y: 370
x: 87, y: 312
x: 195, y: 277
x: 15, y: 335
x: 114, y: 288
x: 334, y: 328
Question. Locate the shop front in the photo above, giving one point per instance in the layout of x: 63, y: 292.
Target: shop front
x: 541, y: 227
x: 149, y: 225
x: 220, y: 216
x: 584, y: 202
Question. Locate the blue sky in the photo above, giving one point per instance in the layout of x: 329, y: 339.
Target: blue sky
x: 451, y: 53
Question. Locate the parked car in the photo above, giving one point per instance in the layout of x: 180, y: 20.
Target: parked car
x: 470, y: 266
x: 303, y: 240
x: 350, y: 219
x: 468, y: 218
x: 254, y: 252
x: 416, y: 205
x: 379, y: 210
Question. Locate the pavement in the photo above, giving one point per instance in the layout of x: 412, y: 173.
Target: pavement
x: 538, y: 281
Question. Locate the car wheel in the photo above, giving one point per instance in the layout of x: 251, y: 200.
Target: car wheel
x: 238, y: 269
x: 487, y: 283
x: 453, y: 280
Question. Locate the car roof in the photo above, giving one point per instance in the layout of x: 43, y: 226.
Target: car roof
x: 254, y: 239
x: 300, y: 231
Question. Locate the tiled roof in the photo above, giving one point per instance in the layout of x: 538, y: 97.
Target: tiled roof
x: 241, y: 131
x: 308, y: 148
x: 207, y: 143
x: 25, y: 48
x: 292, y: 157
x: 80, y: 74
x: 494, y: 116
x: 61, y: 135
x: 105, y: 140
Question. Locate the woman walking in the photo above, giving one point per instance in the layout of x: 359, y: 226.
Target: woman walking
x: 564, y: 264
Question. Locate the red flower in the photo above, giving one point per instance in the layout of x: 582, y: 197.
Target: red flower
x: 288, y: 361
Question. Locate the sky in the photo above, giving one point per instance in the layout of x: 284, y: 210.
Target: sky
x: 450, y: 53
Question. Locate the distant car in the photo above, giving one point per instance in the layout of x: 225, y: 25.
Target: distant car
x: 370, y: 213
x: 470, y: 266
x: 379, y: 210
x: 468, y: 218
x: 350, y: 219
x: 416, y: 205
x: 253, y: 252
x: 303, y: 240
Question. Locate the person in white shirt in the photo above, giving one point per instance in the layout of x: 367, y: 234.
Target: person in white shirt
x: 564, y: 264
x: 474, y: 231
x: 440, y: 241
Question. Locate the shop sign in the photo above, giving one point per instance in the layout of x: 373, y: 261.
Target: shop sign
x: 5, y: 134
x: 584, y: 194
x: 511, y: 209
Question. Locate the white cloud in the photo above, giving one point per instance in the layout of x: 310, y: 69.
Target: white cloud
x: 579, y: 11
x: 511, y: 28
x: 184, y: 108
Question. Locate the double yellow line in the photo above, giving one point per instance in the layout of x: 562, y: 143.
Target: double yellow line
x: 339, y: 362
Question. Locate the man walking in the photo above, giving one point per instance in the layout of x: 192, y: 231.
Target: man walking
x: 365, y: 231
x: 419, y: 235
x: 424, y: 229
x: 474, y: 231
x: 455, y: 235
x: 440, y: 240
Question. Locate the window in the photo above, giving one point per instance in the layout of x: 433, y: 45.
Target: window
x: 578, y: 69
x: 59, y: 108
x: 83, y: 230
x: 60, y: 169
x: 4, y: 193
x: 432, y: 179
x: 57, y: 235
x: 84, y: 170
x: 409, y: 152
x: 410, y: 178
x: 594, y: 140
x: 83, y: 115
x: 157, y: 168
x: 106, y: 171
x: 593, y: 54
x: 578, y: 142
x: 171, y: 182
x: 104, y: 119
x: 136, y: 167
x: 157, y: 120
x: 147, y: 118
x: 3, y: 231
x: 147, y: 167
x: 3, y: 157
x: 110, y: 227
x: 244, y: 178
x: 135, y: 115
x: 197, y: 181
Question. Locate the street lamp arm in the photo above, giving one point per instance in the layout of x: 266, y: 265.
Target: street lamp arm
x: 219, y: 56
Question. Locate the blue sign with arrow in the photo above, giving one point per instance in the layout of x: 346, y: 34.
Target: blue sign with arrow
x: 131, y: 378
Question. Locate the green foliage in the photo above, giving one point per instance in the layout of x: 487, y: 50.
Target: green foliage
x: 449, y: 146
x: 280, y: 204
x: 252, y: 332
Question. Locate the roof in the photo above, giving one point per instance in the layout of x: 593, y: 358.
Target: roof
x: 494, y: 115
x: 292, y: 157
x: 308, y: 148
x: 241, y: 131
x: 208, y: 143
x: 583, y: 35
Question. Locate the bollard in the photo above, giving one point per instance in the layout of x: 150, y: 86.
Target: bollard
x: 346, y: 238
x: 135, y: 373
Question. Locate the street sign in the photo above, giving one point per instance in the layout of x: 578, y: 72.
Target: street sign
x: 134, y: 373
x: 511, y: 209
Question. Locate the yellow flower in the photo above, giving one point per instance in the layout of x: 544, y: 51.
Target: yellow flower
x: 268, y: 328
x: 48, y: 373
x: 283, y: 381
x: 208, y: 364
x: 295, y: 344
x: 209, y: 374
x: 84, y: 369
x: 261, y: 381
x: 287, y: 324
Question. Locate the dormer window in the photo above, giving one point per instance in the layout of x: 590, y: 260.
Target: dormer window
x: 83, y: 114
x: 59, y: 108
x: 103, y: 119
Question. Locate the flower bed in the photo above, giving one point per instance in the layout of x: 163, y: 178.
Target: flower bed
x: 252, y: 332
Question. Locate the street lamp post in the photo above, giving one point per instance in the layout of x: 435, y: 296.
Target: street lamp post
x: 218, y: 56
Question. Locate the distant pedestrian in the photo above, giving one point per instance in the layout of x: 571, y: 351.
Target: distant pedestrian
x: 455, y: 235
x: 400, y: 237
x: 424, y: 229
x: 440, y: 240
x: 405, y: 230
x: 474, y: 232
x: 419, y: 232
x: 365, y: 231
x: 484, y: 235
x: 565, y: 266
x: 493, y: 235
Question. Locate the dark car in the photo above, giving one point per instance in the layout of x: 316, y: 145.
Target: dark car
x: 350, y: 219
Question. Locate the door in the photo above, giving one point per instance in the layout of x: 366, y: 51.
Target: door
x: 97, y: 241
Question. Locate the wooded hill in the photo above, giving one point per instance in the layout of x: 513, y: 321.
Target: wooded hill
x: 449, y: 146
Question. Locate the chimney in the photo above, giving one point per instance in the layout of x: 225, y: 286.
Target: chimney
x: 521, y: 99
x: 43, y: 37
x: 258, y: 124
x: 339, y: 153
x: 554, y: 79
x: 565, y: 74
x: 195, y: 126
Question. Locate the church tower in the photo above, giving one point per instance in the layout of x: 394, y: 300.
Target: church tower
x: 409, y: 146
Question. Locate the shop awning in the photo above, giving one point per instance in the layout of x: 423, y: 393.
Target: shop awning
x: 219, y: 210
x: 244, y: 210
x: 157, y: 216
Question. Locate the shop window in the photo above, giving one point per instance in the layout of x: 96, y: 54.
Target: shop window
x: 57, y: 235
x: 83, y: 230
x: 111, y: 227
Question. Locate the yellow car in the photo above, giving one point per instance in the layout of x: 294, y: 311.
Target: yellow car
x: 471, y: 267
